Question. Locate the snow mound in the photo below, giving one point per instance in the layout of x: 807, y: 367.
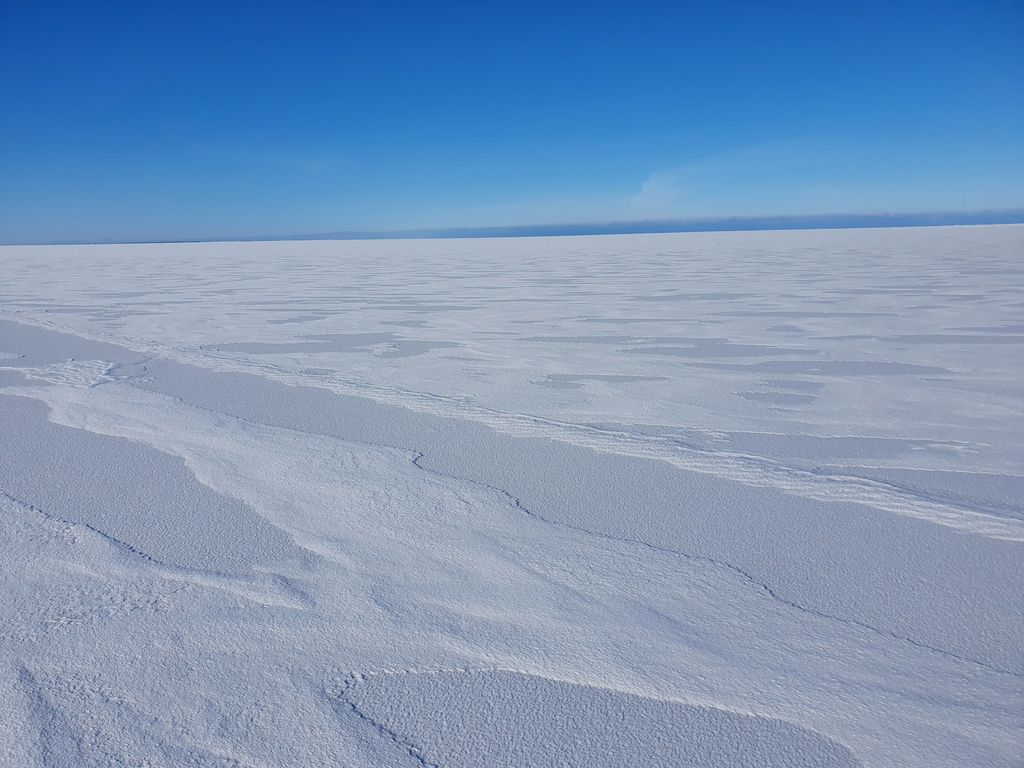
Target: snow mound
x: 496, y: 717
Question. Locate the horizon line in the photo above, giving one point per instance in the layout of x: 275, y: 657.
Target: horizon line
x: 617, y: 227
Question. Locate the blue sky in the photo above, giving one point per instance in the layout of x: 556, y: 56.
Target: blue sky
x: 188, y: 120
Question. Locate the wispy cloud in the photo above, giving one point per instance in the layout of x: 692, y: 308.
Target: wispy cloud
x: 767, y: 178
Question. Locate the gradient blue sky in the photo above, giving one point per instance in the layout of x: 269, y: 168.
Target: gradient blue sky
x: 189, y: 120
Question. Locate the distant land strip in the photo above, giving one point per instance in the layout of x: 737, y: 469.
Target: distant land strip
x: 635, y: 227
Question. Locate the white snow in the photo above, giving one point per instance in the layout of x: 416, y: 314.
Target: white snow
x: 709, y: 499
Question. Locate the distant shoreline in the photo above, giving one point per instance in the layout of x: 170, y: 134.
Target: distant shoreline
x: 638, y: 227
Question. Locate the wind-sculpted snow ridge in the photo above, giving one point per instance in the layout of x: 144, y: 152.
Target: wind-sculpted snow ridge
x: 266, y: 590
x: 761, y: 586
x: 589, y: 503
x: 463, y: 718
x: 745, y: 468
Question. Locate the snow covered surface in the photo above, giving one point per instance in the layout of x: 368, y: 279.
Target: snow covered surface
x: 716, y: 499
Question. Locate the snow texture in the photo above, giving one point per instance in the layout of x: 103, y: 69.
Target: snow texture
x: 712, y: 499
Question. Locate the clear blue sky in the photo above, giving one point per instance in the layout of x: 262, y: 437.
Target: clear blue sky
x: 184, y: 120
